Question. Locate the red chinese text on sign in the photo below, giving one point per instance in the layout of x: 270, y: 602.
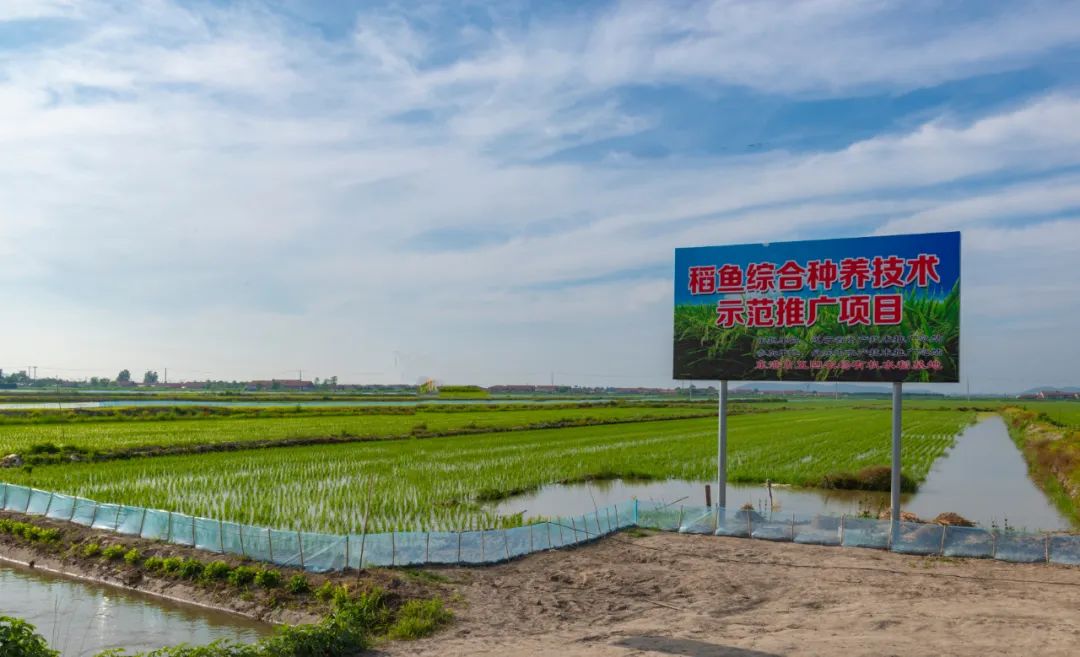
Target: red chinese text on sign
x: 854, y: 272
x: 855, y: 309
x: 923, y: 269
x: 730, y: 312
x: 703, y: 280
x: 888, y: 309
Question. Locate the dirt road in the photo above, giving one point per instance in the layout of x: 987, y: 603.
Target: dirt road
x: 670, y: 594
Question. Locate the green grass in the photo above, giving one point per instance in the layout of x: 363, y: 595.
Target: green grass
x: 112, y: 436
x: 1061, y: 413
x: 419, y: 618
x: 438, y: 484
x: 701, y: 347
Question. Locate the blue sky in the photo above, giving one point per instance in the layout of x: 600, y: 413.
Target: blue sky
x: 493, y: 192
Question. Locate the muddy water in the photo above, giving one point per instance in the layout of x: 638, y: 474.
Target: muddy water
x: 81, y: 619
x: 983, y: 478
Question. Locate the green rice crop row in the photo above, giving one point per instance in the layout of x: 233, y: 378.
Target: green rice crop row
x: 110, y: 436
x: 441, y: 484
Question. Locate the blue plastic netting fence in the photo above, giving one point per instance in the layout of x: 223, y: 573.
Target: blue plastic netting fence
x: 327, y: 552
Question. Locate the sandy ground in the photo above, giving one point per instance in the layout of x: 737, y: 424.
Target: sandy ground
x: 670, y: 594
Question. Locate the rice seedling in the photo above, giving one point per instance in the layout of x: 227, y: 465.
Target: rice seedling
x: 113, y: 436
x: 442, y: 484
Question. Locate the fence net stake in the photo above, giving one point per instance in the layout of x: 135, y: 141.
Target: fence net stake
x: 393, y: 548
x: 75, y: 504
x: 506, y: 543
x: 300, y: 543
x: 562, y: 541
x: 192, y: 530
x: 363, y: 540
x: 459, y: 547
x: 270, y: 544
x: 49, y: 505
x: 793, y: 526
x: 944, y: 531
x: 168, y: 530
x: 347, y: 541
x: 3, y: 505
x: 993, y: 544
x: 749, y: 523
x: 680, y: 518
x: 93, y: 518
x: 427, y: 547
x: 28, y: 497
x: 843, y: 517
x: 1046, y: 545
x: 240, y: 534
x: 549, y: 533
x: 221, y: 535
x: 116, y: 520
x: 482, y: 555
x: 574, y: 525
x: 142, y: 522
x: 531, y: 527
x: 617, y: 523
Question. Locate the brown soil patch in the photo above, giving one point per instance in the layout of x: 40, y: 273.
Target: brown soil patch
x: 671, y: 594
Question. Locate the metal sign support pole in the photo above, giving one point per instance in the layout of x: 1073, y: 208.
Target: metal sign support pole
x: 897, y: 404
x: 721, y: 455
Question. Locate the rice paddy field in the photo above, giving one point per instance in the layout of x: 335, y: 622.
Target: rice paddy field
x: 141, y: 433
x: 1063, y: 413
x: 443, y: 483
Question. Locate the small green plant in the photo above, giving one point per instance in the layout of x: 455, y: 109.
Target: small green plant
x: 325, y: 592
x: 340, y: 596
x: 419, y: 618
x: 268, y: 578
x: 132, y: 556
x: 19, y: 639
x: 242, y: 575
x: 216, y: 570
x: 171, y: 565
x: 190, y: 569
x: 153, y: 563
x: 91, y: 550
x: 298, y: 584
x: 114, y: 552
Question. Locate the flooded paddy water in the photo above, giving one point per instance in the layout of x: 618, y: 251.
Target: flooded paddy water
x: 983, y: 478
x: 81, y: 619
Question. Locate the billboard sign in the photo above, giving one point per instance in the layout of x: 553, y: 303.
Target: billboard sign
x: 860, y: 309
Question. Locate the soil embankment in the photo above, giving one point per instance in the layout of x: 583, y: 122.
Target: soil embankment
x: 672, y: 594
x: 1052, y: 453
x: 71, y: 554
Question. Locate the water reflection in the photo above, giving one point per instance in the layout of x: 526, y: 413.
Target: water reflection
x: 983, y: 478
x: 82, y: 619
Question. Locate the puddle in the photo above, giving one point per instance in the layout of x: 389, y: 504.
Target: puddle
x: 81, y: 619
x: 983, y: 478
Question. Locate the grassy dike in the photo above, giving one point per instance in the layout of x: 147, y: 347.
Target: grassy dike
x: 329, y: 615
x: 1052, y: 452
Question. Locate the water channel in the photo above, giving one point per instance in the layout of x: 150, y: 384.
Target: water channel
x: 81, y: 619
x: 983, y: 478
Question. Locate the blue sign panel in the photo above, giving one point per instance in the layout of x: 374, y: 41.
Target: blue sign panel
x: 860, y: 309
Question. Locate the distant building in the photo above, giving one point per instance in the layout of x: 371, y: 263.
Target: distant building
x: 1051, y: 394
x: 280, y: 384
